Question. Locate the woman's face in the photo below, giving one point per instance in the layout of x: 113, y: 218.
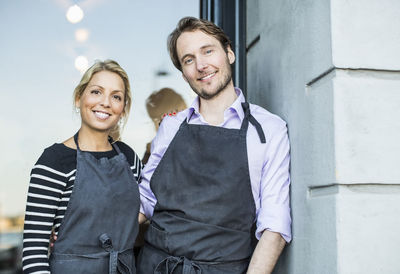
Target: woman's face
x: 102, y: 102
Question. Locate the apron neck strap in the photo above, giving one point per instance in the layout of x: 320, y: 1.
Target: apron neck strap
x: 113, y: 144
x: 250, y: 118
x: 76, y: 141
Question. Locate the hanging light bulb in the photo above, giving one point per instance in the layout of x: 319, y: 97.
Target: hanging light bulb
x: 74, y: 14
x: 81, y: 63
x: 81, y: 35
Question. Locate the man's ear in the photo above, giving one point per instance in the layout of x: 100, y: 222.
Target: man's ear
x: 231, y: 55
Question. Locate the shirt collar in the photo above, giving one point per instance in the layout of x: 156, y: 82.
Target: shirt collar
x: 236, y: 106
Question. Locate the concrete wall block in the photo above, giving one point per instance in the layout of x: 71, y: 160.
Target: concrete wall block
x: 311, y: 133
x: 294, y: 34
x: 315, y: 161
x: 366, y: 34
x: 321, y: 234
x: 253, y: 25
x: 367, y: 229
x: 367, y: 127
x: 313, y: 248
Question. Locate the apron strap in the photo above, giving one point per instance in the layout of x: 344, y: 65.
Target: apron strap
x: 186, y: 121
x: 114, y: 145
x: 76, y: 141
x: 170, y: 263
x: 114, y: 262
x: 248, y: 117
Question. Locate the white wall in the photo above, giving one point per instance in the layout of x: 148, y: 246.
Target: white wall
x: 331, y: 70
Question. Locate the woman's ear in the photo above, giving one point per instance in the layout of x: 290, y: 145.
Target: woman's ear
x: 78, y: 102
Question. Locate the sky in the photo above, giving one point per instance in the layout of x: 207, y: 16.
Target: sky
x: 38, y: 49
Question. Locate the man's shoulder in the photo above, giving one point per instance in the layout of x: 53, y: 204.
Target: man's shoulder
x: 268, y: 120
x: 174, y: 121
x: 168, y: 127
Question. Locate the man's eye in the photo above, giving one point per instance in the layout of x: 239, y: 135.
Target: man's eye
x: 208, y: 51
x: 188, y: 61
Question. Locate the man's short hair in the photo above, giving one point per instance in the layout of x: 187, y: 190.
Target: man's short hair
x: 193, y: 24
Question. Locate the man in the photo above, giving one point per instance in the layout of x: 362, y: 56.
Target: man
x: 216, y: 168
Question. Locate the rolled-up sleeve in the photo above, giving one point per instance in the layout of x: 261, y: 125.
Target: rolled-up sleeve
x: 274, y: 212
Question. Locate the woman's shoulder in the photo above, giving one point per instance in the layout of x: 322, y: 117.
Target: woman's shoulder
x: 57, y: 151
x: 127, y: 150
x: 58, y: 157
x: 132, y: 158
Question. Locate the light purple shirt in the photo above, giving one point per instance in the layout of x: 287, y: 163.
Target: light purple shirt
x: 268, y: 163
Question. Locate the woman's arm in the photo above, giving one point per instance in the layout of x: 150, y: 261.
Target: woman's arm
x: 44, y: 193
x: 142, y: 218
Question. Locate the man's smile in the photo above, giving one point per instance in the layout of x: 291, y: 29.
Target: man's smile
x: 208, y: 76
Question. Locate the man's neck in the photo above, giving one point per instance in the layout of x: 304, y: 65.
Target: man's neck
x: 213, y: 110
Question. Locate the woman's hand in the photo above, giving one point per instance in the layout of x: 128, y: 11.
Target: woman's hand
x: 142, y: 218
x: 53, y: 239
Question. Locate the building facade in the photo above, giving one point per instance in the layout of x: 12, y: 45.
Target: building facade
x: 331, y: 69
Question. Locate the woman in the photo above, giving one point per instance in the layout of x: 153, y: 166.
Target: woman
x: 160, y: 103
x: 85, y: 189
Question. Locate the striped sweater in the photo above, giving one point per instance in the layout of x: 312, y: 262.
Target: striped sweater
x: 51, y: 184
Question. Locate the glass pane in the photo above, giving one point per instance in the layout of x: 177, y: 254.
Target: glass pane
x: 40, y: 50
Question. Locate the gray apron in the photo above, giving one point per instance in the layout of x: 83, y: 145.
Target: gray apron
x: 100, y: 225
x: 202, y: 222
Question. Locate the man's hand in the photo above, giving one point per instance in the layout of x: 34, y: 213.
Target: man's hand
x: 266, y: 254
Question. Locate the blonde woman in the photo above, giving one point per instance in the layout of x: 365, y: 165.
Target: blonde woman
x: 85, y: 189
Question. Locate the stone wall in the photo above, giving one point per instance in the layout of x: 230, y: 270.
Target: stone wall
x: 331, y: 69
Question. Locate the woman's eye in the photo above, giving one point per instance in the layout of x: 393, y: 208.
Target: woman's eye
x: 117, y: 97
x: 95, y: 91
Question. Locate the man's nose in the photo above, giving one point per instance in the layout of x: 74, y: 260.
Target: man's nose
x: 201, y: 64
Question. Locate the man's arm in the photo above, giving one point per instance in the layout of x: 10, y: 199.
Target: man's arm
x: 267, y: 252
x: 165, y: 134
x: 273, y: 219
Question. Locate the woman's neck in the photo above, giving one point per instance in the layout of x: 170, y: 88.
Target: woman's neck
x: 90, y: 140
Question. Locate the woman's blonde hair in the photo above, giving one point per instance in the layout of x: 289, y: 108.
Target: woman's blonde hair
x: 112, y: 66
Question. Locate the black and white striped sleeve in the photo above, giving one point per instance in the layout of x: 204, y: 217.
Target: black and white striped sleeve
x: 133, y: 159
x: 44, y: 194
x: 136, y: 167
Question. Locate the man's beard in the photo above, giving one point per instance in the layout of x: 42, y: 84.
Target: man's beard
x: 202, y: 93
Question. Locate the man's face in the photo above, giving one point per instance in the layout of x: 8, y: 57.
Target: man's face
x: 205, y: 64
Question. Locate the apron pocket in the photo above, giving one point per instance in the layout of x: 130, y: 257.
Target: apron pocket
x: 67, y: 264
x: 157, y: 236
